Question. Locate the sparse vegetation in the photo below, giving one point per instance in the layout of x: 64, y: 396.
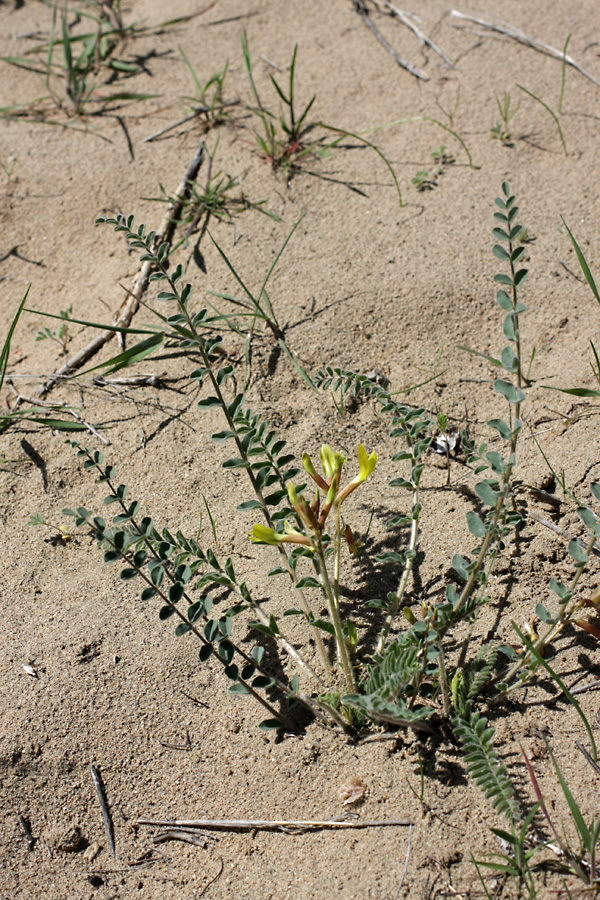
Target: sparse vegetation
x: 395, y: 555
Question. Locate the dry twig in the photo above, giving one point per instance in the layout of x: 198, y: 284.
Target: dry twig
x: 101, y: 794
x: 423, y: 38
x: 406, y: 861
x: 212, y: 880
x: 130, y: 305
x: 295, y: 826
x: 360, y: 8
x: 516, y: 35
x: 187, y: 835
x: 557, y: 530
x: 593, y: 764
x: 586, y: 687
x: 64, y: 407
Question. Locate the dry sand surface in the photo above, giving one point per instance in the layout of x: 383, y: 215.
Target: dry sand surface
x: 88, y: 674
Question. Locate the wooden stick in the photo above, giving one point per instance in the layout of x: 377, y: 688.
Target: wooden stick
x: 130, y: 305
x: 101, y: 794
x: 593, y: 764
x: 521, y: 38
x: 268, y: 825
x: 406, y: 20
x: 361, y: 10
x: 586, y: 687
x: 47, y: 404
x: 557, y: 530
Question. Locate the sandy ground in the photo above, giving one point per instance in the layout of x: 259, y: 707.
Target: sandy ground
x: 364, y: 283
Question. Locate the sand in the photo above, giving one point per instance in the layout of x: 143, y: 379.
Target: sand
x: 88, y: 674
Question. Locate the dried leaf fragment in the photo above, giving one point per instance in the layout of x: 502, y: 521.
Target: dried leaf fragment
x: 353, y: 791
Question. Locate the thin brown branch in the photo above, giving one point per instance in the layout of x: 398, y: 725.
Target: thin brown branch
x: 130, y: 305
x: 188, y: 836
x: 516, y: 35
x: 423, y: 38
x: 294, y: 825
x: 101, y: 795
x: 361, y: 10
x: 47, y: 404
x: 557, y: 530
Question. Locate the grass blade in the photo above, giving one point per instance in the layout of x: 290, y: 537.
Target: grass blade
x: 540, y: 659
x: 575, y: 392
x: 552, y: 113
x: 58, y: 424
x: 6, y: 346
x: 363, y: 140
x: 99, y: 325
x: 134, y: 354
x: 276, y: 260
x: 583, y: 263
x: 238, y: 278
x: 303, y: 374
x: 575, y: 811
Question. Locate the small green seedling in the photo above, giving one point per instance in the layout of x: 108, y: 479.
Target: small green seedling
x: 214, y: 200
x: 583, y: 861
x: 551, y: 112
x: 60, y: 335
x: 9, y: 167
x: 501, y: 131
x: 61, y: 533
x: 208, y: 102
x: 450, y: 113
x: 426, y: 180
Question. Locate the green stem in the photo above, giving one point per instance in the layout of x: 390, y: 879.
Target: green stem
x: 259, y: 495
x: 553, y: 631
x: 408, y: 564
x: 335, y: 619
x: 492, y: 527
x: 443, y: 680
x: 248, y: 659
x: 337, y: 556
x: 515, y: 317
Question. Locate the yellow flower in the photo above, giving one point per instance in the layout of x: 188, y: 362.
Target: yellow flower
x: 366, y: 465
x: 262, y: 534
x: 331, y: 462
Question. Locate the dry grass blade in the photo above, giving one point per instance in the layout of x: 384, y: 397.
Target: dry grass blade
x: 187, y: 836
x: 296, y: 825
x: 516, y: 35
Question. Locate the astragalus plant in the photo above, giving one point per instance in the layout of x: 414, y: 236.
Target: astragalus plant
x: 426, y: 658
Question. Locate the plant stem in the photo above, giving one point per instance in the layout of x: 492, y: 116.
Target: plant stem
x: 443, y: 680
x: 552, y: 631
x: 336, y: 556
x: 408, y: 564
x: 259, y: 495
x: 335, y: 619
x: 250, y: 660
